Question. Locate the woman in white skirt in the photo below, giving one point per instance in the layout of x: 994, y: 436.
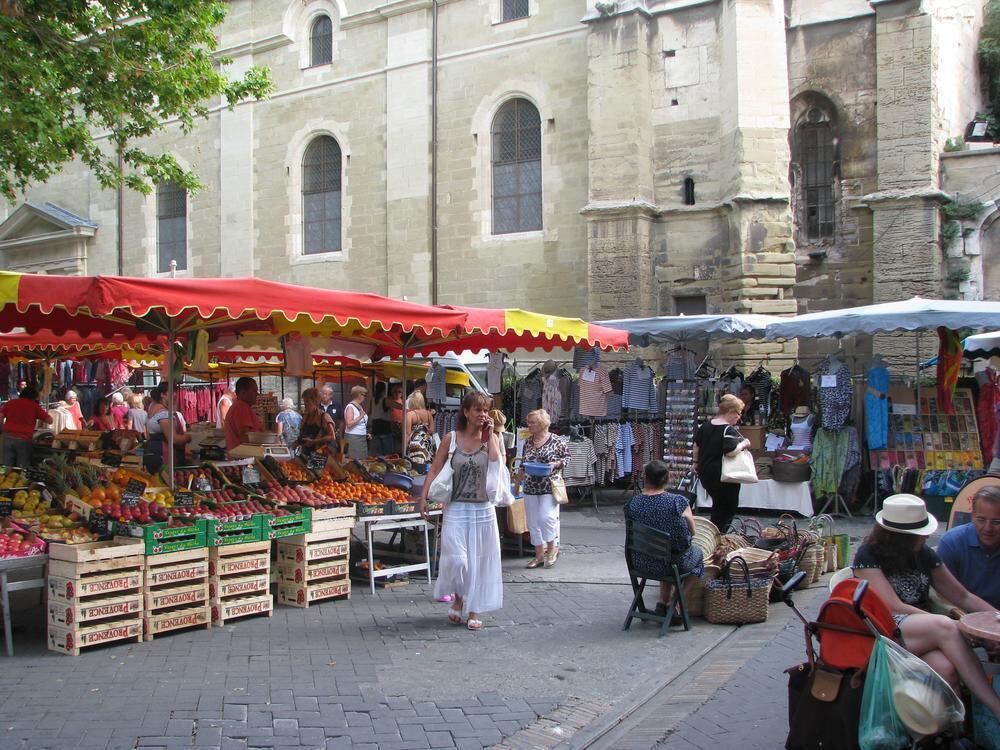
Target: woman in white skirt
x: 470, y: 540
x: 540, y: 507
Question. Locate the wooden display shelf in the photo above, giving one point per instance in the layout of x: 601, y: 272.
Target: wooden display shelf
x: 304, y: 594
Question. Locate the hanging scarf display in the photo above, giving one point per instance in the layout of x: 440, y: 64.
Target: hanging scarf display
x: 949, y: 361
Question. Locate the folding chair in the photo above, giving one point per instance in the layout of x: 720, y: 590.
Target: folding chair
x: 653, y: 543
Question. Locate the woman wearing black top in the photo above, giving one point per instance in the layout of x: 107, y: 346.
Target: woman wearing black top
x: 711, y: 442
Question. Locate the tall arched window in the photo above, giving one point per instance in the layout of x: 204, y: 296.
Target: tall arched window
x: 815, y: 146
x: 517, y: 168
x: 171, y: 227
x: 321, y: 41
x: 321, y: 196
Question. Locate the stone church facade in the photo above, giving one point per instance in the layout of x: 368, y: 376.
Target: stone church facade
x: 623, y: 158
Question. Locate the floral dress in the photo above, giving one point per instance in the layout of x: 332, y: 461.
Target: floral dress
x: 664, y: 513
x: 549, y: 452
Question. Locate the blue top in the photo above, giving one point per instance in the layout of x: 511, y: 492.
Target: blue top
x: 290, y: 421
x: 877, y: 408
x: 979, y: 572
x: 663, y: 512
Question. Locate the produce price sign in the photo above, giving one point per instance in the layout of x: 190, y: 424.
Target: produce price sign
x: 6, y: 507
x: 317, y: 461
x: 133, y: 492
x: 35, y: 474
x: 202, y: 483
x: 250, y: 475
x: 183, y: 499
x: 100, y: 524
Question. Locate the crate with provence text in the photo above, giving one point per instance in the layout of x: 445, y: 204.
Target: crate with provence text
x: 314, y: 567
x: 176, y: 592
x: 94, y: 594
x: 240, y: 579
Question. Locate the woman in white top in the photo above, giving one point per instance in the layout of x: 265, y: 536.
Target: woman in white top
x: 225, y: 401
x: 356, y: 424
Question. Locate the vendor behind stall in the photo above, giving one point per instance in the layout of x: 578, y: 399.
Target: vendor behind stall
x: 241, y: 419
x: 18, y: 417
x: 159, y: 425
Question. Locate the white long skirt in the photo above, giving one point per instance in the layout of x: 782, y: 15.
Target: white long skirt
x: 542, y: 512
x: 470, y: 557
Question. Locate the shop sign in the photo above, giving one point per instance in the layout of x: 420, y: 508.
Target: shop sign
x: 133, y: 492
x: 183, y: 499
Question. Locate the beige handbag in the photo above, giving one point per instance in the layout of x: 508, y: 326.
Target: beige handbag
x: 559, y: 493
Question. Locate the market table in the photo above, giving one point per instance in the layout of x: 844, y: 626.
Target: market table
x: 6, y: 566
x: 768, y: 494
x: 397, y: 522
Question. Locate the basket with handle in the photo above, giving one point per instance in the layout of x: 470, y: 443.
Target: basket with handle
x: 736, y: 600
x: 694, y: 597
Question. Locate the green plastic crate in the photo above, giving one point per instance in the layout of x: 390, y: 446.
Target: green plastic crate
x: 160, y: 538
x: 222, y: 533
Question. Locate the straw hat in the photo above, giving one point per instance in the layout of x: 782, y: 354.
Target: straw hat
x: 922, y: 703
x: 906, y: 514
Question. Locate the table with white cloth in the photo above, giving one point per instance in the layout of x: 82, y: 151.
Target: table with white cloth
x: 768, y: 494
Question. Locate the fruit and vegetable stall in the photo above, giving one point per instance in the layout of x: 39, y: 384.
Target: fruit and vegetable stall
x: 129, y: 558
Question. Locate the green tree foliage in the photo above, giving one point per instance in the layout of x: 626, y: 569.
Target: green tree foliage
x: 83, y: 79
x: 989, y: 65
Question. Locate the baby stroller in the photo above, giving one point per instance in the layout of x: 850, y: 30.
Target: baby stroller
x: 824, y: 693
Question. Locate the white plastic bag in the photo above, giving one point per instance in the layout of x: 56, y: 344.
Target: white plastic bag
x: 925, y: 703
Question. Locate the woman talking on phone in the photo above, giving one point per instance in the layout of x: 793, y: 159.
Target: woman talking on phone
x: 470, y: 540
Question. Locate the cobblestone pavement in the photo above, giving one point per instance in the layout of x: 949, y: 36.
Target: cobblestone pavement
x: 384, y: 671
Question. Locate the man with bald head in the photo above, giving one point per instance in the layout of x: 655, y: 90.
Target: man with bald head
x: 331, y: 407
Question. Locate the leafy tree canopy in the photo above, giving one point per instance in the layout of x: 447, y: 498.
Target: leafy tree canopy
x: 83, y: 79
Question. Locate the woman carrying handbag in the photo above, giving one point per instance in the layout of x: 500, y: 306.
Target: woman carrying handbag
x: 716, y: 438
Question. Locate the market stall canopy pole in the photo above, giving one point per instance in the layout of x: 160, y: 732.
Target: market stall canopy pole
x: 906, y: 315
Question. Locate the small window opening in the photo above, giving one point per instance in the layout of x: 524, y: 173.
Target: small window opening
x: 688, y: 191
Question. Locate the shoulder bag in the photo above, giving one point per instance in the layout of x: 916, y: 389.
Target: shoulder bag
x: 440, y: 489
x: 559, y: 493
x: 738, y: 469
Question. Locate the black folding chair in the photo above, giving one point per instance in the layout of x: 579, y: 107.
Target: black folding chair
x: 655, y: 544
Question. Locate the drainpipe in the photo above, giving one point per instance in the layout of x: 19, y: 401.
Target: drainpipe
x: 121, y: 216
x: 434, y: 152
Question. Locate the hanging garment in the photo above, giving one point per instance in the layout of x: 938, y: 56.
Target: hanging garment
x: 531, y: 394
x: 829, y: 460
x: 877, y: 408
x: 680, y: 364
x: 552, y: 396
x: 760, y: 381
x: 583, y: 358
x: 802, y: 430
x: 437, y: 378
x: 580, y: 466
x: 595, y: 385
x: 795, y: 388
x: 298, y: 355
x: 949, y: 361
x: 494, y: 372
x: 623, y: 451
x: 853, y: 449
x: 986, y: 411
x: 639, y: 388
x: 836, y: 393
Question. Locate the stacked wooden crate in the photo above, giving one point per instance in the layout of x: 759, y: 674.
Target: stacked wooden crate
x: 240, y: 579
x: 95, y: 594
x: 315, y: 566
x: 176, y: 592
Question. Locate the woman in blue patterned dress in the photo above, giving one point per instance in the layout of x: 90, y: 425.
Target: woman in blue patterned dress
x: 671, y: 514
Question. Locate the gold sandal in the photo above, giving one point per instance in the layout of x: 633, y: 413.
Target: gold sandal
x: 536, y: 563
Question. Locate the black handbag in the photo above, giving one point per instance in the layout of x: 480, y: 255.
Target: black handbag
x: 824, y: 706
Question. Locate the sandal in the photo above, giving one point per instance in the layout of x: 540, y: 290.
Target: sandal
x: 536, y: 563
x: 455, y: 616
x: 475, y: 624
x: 550, y: 560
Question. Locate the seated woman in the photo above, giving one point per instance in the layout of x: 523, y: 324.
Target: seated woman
x: 901, y: 569
x: 670, y: 513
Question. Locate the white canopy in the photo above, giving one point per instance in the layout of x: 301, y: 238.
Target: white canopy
x: 906, y: 315
x: 670, y: 329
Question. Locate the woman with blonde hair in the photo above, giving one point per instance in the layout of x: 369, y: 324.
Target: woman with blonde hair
x: 356, y: 424
x: 718, y: 437
x: 540, y: 507
x: 418, y: 433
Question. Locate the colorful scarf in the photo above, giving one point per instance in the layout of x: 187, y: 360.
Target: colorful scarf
x: 949, y: 361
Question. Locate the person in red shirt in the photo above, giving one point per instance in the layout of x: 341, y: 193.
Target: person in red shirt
x: 19, y: 416
x: 241, y: 418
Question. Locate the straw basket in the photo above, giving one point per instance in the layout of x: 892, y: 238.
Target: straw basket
x: 760, y: 562
x: 737, y: 599
x: 706, y: 537
x: 728, y: 543
x: 694, y: 597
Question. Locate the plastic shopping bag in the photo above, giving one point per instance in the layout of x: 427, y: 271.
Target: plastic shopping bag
x: 880, y: 727
x: 924, y: 702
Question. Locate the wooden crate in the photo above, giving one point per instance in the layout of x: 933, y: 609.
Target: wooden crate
x: 94, y: 551
x: 333, y: 524
x: 238, y: 586
x: 68, y: 613
x: 69, y: 640
x: 115, y: 583
x: 242, y: 606
x: 176, y: 592
x: 158, y: 623
x: 240, y: 581
x: 317, y: 545
x: 313, y: 572
x: 304, y: 594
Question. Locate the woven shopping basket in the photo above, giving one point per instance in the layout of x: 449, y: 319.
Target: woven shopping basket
x: 694, y: 597
x: 739, y: 600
